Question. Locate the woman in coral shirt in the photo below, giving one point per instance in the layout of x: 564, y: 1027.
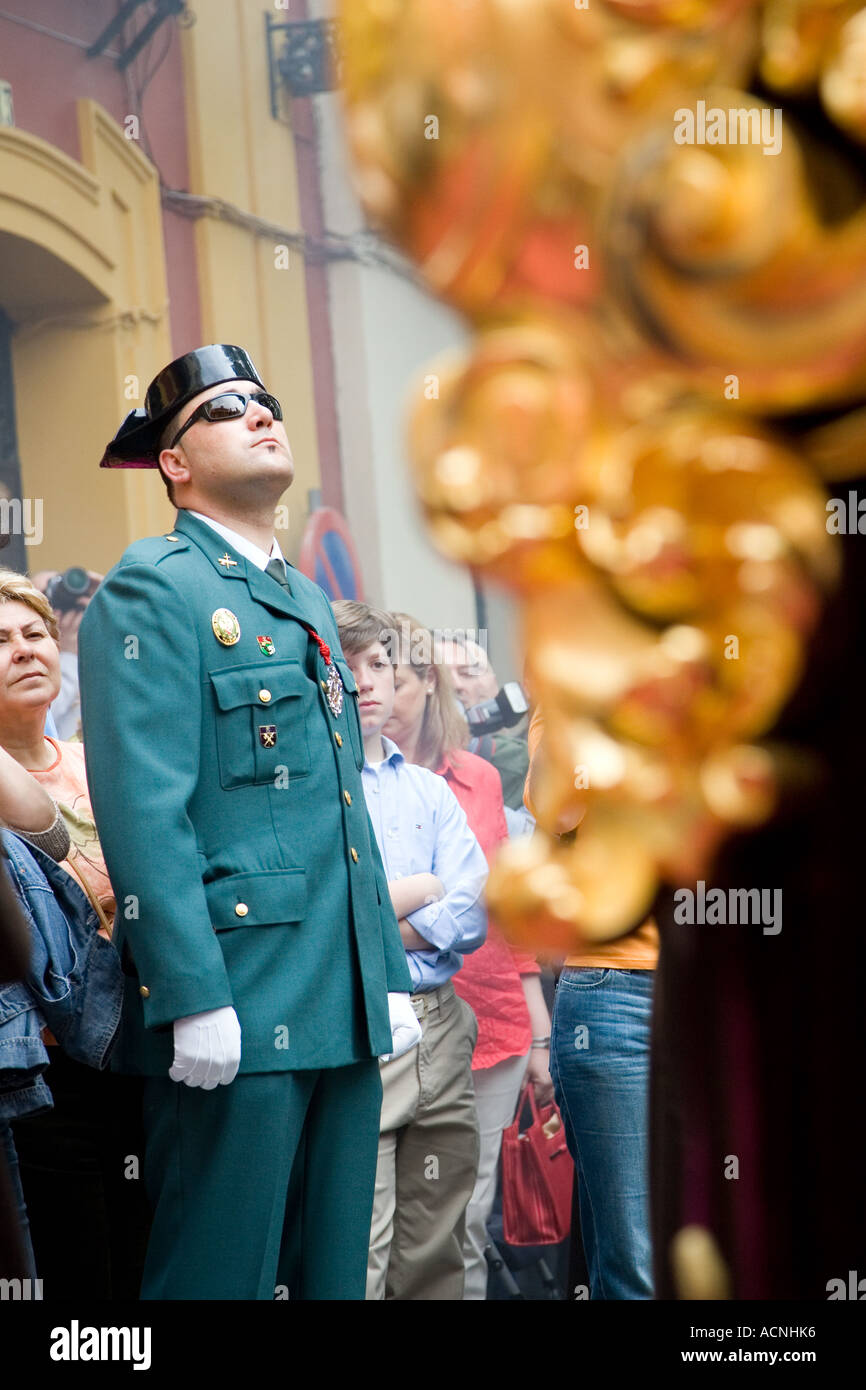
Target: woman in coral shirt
x: 501, y: 986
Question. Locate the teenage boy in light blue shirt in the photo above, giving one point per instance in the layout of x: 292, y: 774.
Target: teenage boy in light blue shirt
x: 436, y: 870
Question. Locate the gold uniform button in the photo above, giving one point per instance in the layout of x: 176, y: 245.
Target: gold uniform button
x: 348, y: 798
x: 264, y: 696
x: 241, y: 910
x: 339, y: 738
x: 144, y: 992
x: 354, y: 853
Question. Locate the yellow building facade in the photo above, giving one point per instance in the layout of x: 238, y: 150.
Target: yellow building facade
x: 252, y: 287
x: 85, y: 284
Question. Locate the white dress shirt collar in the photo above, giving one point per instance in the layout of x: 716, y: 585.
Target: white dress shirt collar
x: 244, y: 547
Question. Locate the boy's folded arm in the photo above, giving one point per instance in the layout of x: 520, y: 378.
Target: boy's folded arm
x: 413, y: 940
x: 458, y: 921
x: 413, y: 891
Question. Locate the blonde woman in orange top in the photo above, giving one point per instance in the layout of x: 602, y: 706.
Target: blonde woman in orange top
x: 29, y: 680
x: 88, y: 1220
x: 599, y: 1061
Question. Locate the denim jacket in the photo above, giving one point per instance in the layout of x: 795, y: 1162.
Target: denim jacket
x: 74, y: 983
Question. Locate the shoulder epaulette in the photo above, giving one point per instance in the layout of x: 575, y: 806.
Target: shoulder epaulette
x: 152, y: 549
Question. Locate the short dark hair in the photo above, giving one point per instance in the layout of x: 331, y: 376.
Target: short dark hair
x: 360, y: 626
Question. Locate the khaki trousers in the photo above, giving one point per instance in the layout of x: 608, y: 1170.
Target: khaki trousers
x: 428, y: 1157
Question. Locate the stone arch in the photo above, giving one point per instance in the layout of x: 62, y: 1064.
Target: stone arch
x: 82, y: 279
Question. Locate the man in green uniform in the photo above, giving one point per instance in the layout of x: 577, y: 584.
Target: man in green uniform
x: 265, y: 973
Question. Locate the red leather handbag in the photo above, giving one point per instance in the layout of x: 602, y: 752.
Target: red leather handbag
x: 537, y: 1176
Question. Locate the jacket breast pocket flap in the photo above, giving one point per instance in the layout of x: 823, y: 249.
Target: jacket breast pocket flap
x: 257, y: 900
x: 261, y: 728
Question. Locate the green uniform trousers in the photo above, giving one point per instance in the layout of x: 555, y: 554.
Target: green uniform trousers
x: 263, y: 1188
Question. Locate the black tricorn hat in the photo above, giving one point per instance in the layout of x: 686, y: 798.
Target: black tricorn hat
x: 136, y: 444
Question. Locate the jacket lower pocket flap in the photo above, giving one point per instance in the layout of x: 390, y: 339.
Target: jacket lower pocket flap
x: 240, y: 685
x: 257, y: 900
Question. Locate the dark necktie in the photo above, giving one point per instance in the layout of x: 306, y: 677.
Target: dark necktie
x: 277, y: 570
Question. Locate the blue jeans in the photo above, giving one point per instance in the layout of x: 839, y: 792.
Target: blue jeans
x: 599, y: 1061
x: 9, y: 1155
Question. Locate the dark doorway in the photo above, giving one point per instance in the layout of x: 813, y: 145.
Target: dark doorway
x: 13, y: 551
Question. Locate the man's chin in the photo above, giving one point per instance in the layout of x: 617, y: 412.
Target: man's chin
x: 263, y: 484
x: 272, y: 465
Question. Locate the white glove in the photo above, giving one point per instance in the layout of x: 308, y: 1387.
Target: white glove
x: 405, y: 1028
x: 207, y: 1048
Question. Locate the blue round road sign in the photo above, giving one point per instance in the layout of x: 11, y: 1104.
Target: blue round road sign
x: 329, y: 557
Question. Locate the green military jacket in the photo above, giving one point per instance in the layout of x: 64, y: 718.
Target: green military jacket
x: 228, y: 800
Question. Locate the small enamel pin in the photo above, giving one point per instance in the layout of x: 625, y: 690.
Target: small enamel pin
x: 334, y: 691
x: 226, y: 628
x: 266, y: 645
x: 268, y: 735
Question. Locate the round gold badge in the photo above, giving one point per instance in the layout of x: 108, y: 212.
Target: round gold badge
x: 226, y: 627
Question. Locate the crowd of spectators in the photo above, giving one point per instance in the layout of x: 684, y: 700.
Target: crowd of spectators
x: 441, y: 802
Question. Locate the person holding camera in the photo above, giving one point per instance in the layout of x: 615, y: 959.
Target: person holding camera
x: 476, y: 682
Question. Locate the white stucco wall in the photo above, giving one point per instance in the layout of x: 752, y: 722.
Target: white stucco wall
x: 385, y: 330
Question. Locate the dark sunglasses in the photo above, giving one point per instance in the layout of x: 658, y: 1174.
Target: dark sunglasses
x: 230, y: 406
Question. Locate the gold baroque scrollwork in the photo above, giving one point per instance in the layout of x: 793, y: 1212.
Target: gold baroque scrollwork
x: 652, y: 313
